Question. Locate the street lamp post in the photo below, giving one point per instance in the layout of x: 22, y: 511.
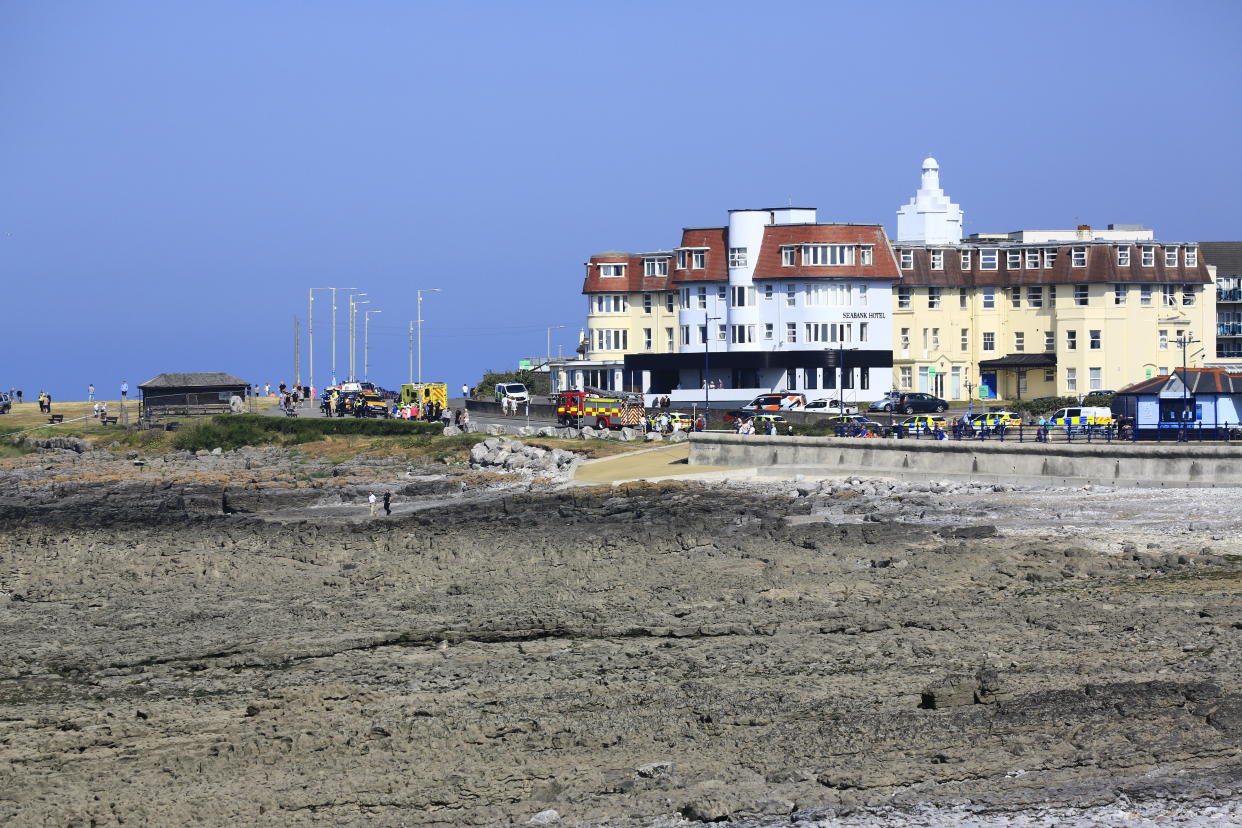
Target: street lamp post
x: 1185, y: 341
x: 707, y: 383
x: 312, y: 301
x: 366, y: 343
x: 420, y: 293
x: 353, y: 333
x: 548, y: 362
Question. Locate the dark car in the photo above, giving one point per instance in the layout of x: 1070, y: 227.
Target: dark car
x: 737, y: 414
x: 913, y: 403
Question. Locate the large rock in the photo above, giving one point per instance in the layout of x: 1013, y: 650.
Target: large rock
x: 709, y: 801
x: 627, y: 434
x: 655, y: 437
x: 451, y: 431
x: 569, y: 433
x: 547, y: 431
x: 497, y: 428
x: 678, y: 437
x: 527, y: 431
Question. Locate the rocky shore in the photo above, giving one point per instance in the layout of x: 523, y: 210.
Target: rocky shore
x: 231, y: 639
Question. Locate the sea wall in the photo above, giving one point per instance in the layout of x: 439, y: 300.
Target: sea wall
x: 1117, y: 464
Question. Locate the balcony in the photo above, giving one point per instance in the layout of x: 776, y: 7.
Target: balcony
x: 1229, y: 329
x: 1229, y: 294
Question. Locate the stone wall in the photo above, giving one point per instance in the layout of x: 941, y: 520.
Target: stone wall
x: 1055, y: 464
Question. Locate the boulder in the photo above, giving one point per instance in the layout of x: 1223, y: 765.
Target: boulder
x: 548, y: 817
x: 547, y: 431
x: 678, y: 437
x: 569, y: 433
x: 709, y: 802
x: 451, y: 431
x: 496, y: 428
x: 655, y: 437
x: 527, y: 431
x: 589, y: 433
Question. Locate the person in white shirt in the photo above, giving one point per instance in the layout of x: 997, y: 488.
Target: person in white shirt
x: 371, y: 500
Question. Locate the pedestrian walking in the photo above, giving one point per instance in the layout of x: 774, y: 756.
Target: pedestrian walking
x: 95, y: 410
x: 19, y: 395
x: 388, y: 503
x: 124, y: 389
x: 90, y: 392
x: 465, y: 419
x: 465, y: 391
x: 371, y: 500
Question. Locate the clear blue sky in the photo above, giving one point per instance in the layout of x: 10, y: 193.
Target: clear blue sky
x: 174, y: 175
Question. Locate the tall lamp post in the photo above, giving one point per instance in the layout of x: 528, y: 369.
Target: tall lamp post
x: 353, y: 333
x: 310, y: 329
x: 707, y: 383
x: 420, y: 293
x: 548, y: 362
x: 1184, y: 341
x: 366, y: 343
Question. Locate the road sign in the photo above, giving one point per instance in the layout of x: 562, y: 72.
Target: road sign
x: 931, y: 371
x: 524, y: 365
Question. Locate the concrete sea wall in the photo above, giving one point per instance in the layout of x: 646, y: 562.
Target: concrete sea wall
x: 1055, y: 464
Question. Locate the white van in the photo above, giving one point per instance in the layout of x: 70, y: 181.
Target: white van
x: 512, y: 390
x: 1082, y: 415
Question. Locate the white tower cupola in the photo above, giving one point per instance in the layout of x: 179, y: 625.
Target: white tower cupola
x: 930, y: 217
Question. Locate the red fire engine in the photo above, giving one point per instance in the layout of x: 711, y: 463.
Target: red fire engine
x: 599, y: 408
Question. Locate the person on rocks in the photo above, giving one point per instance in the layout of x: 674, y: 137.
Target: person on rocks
x: 388, y: 503
x: 371, y: 501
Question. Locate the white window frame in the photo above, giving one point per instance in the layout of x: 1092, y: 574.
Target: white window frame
x: 1071, y: 379
x: 1120, y: 292
x: 1163, y: 340
x: 646, y: 303
x: 1168, y: 294
x: 1071, y: 340
x: 904, y: 294
x: 611, y: 270
x: 1013, y: 259
x: 965, y: 341
x: 827, y: 255
x: 962, y: 299
x: 769, y: 330
x: 1035, y: 296
x: 655, y: 266
x: 1082, y: 295
x: 1015, y: 297
x: 933, y: 298
x: 1078, y: 257
x: 1192, y: 257
x: 681, y: 259
x: 1050, y: 341
x: 1050, y: 257
x: 1019, y: 341
x: 791, y: 294
x: 1032, y: 258
x: 1170, y: 257
x: 989, y: 298
x: 1145, y: 292
x: 1123, y: 255
x: 989, y: 258
x: 791, y: 332
x: 866, y: 255
x: 989, y: 341
x: 741, y: 334
x: 936, y: 259
x: 698, y: 259
x: 789, y: 255
x: 965, y: 261
x: 737, y: 257
x: 906, y: 258
x: 1188, y: 295
x: 1095, y: 339
x: 648, y: 341
x: 702, y: 297
x: 1148, y: 252
x: 1095, y: 379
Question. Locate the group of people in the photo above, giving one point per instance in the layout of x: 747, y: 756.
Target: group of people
x: 510, y: 405
x: 45, y: 401
x: 746, y: 425
x: 428, y: 412
x: 100, y: 409
x: 374, y: 504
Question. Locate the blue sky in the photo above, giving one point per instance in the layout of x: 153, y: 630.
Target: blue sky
x: 175, y: 175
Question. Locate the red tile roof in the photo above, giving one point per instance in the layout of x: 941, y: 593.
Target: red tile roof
x: 634, y: 280
x: 1101, y: 267
x: 713, y: 238
x: 883, y: 266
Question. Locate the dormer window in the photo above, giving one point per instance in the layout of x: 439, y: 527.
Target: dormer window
x: 827, y: 254
x: 681, y: 259
x: 698, y: 259
x: 1149, y: 255
x: 907, y: 259
x: 1123, y: 256
x: 866, y: 255
x: 1078, y: 257
x: 1170, y: 257
x: 655, y: 266
x: 988, y: 258
x: 965, y: 260
x: 789, y: 255
x: 1192, y: 257
x: 937, y: 259
x: 1032, y: 259
x: 611, y: 271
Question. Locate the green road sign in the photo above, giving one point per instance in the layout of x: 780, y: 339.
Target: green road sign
x: 931, y: 372
x: 524, y: 364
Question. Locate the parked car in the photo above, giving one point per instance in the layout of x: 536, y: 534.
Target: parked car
x: 909, y: 403
x: 849, y: 419
x: 5, y: 403
x: 825, y: 406
x: 991, y: 420
x: 924, y: 423
x: 678, y: 420
x: 736, y: 414
x: 762, y: 421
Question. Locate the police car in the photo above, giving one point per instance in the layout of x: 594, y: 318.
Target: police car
x: 923, y: 422
x: 1082, y: 418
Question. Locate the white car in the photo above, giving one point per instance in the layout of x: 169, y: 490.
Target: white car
x: 830, y: 406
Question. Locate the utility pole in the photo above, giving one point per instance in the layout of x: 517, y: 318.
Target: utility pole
x: 297, y: 356
x: 411, y: 351
x: 420, y: 293
x: 366, y: 343
x: 353, y: 333
x: 707, y: 383
x: 1185, y: 341
x: 334, y: 290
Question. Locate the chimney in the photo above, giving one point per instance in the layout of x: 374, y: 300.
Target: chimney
x: 1084, y: 232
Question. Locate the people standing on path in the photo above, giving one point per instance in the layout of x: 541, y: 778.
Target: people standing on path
x: 388, y: 503
x: 124, y: 389
x: 465, y: 419
x: 47, y: 400
x: 19, y: 395
x: 90, y: 392
x: 371, y: 500
x: 465, y: 391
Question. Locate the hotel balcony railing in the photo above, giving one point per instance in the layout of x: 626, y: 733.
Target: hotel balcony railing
x: 1229, y: 294
x: 1229, y: 329
x: 1228, y: 351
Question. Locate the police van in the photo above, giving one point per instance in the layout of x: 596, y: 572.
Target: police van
x: 1083, y: 417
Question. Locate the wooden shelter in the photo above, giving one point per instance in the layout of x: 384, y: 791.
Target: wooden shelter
x: 191, y: 394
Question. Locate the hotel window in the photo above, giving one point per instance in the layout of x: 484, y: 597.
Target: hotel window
x: 668, y: 339
x: 1123, y: 256
x: 1188, y: 294
x: 1013, y: 259
x: 702, y: 334
x: 905, y: 338
x: 864, y: 378
x: 721, y: 292
x: 647, y: 339
x: 611, y: 303
x: 1015, y: 297
x: 933, y: 298
x: 989, y: 298
x: 646, y: 303
x: 1170, y: 257
x: 1192, y: 257
x: 907, y: 376
x: 988, y: 258
x: 965, y: 260
x: 903, y: 297
x: 681, y: 259
x: 608, y: 339
x: 1119, y: 294
x: 1071, y: 340
x: 989, y: 341
x: 767, y: 291
x: 742, y: 296
x: 722, y: 332
x: 866, y: 255
x: 1080, y: 295
x: 1095, y: 378
x: 1052, y: 296
x: 1021, y: 383
x: 965, y: 339
x: 1162, y: 371
x: 791, y: 332
x: 1071, y: 379
x: 1164, y: 340
x: 612, y: 271
x: 685, y: 334
x: 1050, y: 375
x: 1035, y: 296
x: 1145, y: 295
x: 742, y: 334
x: 768, y: 330
x: 668, y: 301
x: 1093, y: 340
x: 788, y: 254
x: 1019, y: 341
x: 937, y: 259
x: 685, y: 297
x: 655, y: 266
x: 1050, y: 257
x: 1170, y: 295
x: 1050, y: 341
x: 1078, y: 257
x: 961, y: 298
x: 862, y: 295
x: 698, y: 259
x: 907, y: 259
x: 862, y: 331
x: 791, y: 294
x: 1032, y: 259
x: 1149, y: 255
x: 818, y: 332
x: 935, y: 339
x: 737, y: 257
x: 815, y: 296
x: 702, y: 297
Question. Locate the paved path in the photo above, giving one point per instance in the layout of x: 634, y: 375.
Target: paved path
x: 650, y: 464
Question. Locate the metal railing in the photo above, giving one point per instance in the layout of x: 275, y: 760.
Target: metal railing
x: 1163, y: 433
x: 1229, y: 294
x: 1229, y: 329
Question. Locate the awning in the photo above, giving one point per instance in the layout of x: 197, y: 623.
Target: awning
x: 1019, y: 361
